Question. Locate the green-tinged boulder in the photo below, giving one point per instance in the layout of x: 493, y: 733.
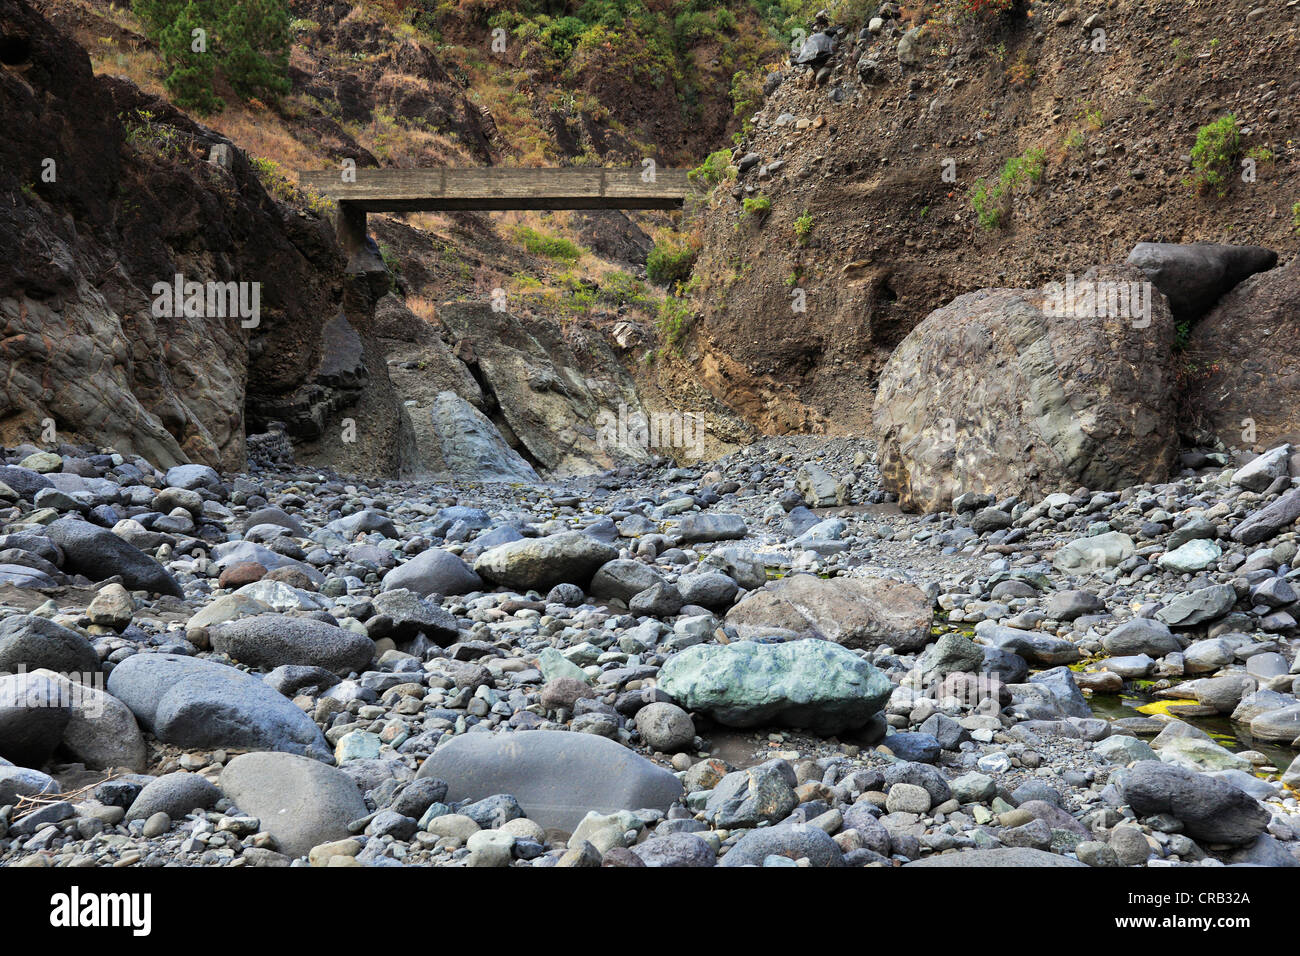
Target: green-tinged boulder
x: 810, y: 683
x: 1205, y: 604
x: 1195, y: 555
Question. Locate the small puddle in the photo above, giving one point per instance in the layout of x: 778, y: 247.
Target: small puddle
x: 1234, y: 737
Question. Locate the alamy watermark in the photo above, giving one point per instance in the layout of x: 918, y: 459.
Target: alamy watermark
x: 82, y: 692
x: 632, y: 431
x: 208, y: 300
x: 77, y: 910
x: 1099, y: 298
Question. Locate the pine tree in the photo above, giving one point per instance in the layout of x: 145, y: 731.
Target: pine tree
x: 248, y: 40
x: 255, y: 47
x: 190, y: 56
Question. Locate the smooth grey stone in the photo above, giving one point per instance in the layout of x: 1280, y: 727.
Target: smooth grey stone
x: 300, y: 801
x: 203, y: 704
x: 557, y: 776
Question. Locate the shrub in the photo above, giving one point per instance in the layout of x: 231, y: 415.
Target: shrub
x: 992, y: 202
x: 715, y: 169
x: 757, y: 207
x: 1217, y: 146
x: 390, y: 259
x: 669, y: 262
x: 1295, y: 215
x: 619, y: 288
x: 143, y: 133
x: 802, y: 227
x: 545, y: 244
x: 746, y: 96
x: 675, y: 320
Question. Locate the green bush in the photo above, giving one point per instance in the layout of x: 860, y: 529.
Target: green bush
x: 757, y: 207
x: 1295, y: 215
x: 675, y: 321
x: 545, y: 244
x: 1217, y: 146
x: 143, y: 132
x: 716, y: 168
x: 619, y: 288
x: 803, y: 227
x: 669, y: 262
x: 991, y: 201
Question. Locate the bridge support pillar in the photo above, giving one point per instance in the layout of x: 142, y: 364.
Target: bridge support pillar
x: 350, y: 226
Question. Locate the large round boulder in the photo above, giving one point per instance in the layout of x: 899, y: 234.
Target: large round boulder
x: 1025, y: 392
x: 299, y: 801
x: 541, y: 563
x: 203, y: 704
x: 855, y: 612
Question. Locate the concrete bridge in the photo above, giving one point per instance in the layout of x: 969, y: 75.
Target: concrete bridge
x: 485, y: 189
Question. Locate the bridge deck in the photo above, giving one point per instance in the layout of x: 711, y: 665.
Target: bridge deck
x: 485, y: 189
x: 498, y: 188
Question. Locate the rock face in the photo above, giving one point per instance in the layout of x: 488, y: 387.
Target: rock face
x: 1194, y: 275
x: 269, y: 640
x: 1209, y: 809
x: 471, y: 446
x: 82, y: 255
x: 808, y: 683
x: 98, y: 554
x: 854, y: 612
x: 556, y: 776
x: 195, y: 703
x: 541, y: 563
x: 300, y: 801
x: 1248, y: 378
x: 549, y: 385
x: 995, y: 393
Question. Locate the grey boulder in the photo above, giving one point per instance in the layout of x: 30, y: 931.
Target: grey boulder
x: 174, y: 794
x: 1194, y: 275
x: 998, y: 857
x: 98, y: 554
x: 33, y: 716
x: 28, y: 641
x: 301, y: 802
x: 557, y: 776
x: 195, y: 703
x: 795, y: 842
x: 541, y: 563
x: 433, y: 572
x: 1209, y: 809
x: 270, y: 640
x: 855, y: 612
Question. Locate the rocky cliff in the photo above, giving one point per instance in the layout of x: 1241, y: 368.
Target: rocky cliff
x: 862, y: 167
x: 110, y: 192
